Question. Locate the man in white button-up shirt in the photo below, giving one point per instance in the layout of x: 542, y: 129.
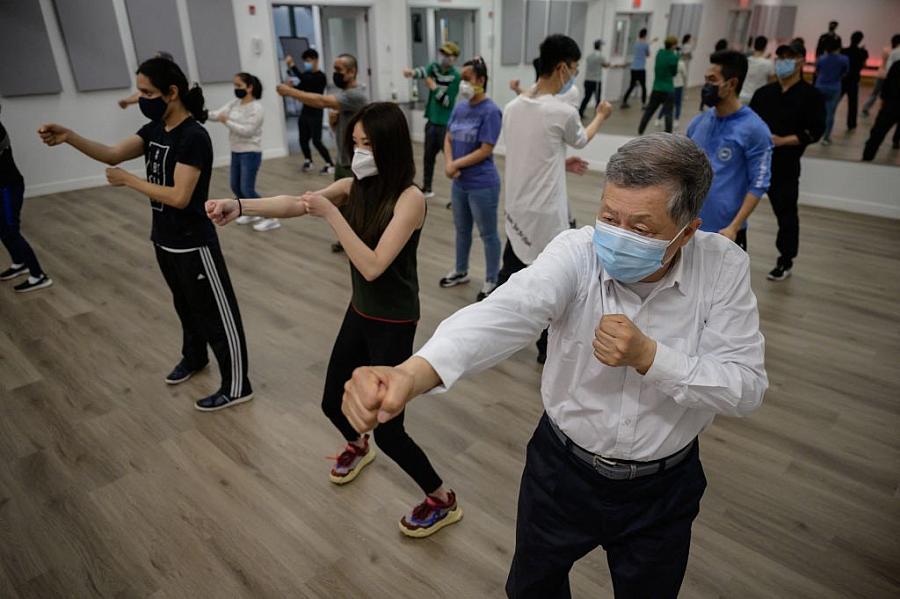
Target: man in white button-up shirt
x: 653, y: 331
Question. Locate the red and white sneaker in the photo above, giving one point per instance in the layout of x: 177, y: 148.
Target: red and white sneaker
x: 430, y: 516
x: 352, y: 460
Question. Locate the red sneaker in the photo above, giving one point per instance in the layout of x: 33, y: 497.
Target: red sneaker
x: 352, y: 460
x: 430, y: 516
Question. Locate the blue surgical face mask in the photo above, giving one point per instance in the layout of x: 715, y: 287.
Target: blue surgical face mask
x: 307, y: 67
x: 567, y: 85
x: 784, y: 67
x: 629, y: 257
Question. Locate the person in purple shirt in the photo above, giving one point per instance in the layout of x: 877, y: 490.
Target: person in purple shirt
x: 831, y: 68
x: 472, y: 132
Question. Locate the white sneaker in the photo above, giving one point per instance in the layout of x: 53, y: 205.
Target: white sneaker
x: 676, y: 124
x: 659, y: 123
x: 429, y: 194
x: 246, y: 220
x: 486, y: 290
x: 267, y: 224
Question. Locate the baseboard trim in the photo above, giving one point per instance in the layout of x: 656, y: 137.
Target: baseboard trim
x: 100, y: 180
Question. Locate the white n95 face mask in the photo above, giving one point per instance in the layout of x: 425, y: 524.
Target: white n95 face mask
x: 363, y: 164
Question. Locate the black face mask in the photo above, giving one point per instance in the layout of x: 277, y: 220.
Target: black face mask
x: 339, y: 80
x: 709, y: 95
x: 240, y: 93
x: 153, y: 108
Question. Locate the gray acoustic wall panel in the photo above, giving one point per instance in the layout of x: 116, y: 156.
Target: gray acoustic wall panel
x: 215, y: 39
x: 535, y: 28
x: 512, y: 32
x: 26, y: 60
x: 155, y: 26
x: 577, y: 25
x: 94, y: 44
x: 559, y: 18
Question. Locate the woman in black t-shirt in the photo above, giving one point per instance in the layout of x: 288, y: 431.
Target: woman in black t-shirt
x: 377, y: 216
x: 178, y: 156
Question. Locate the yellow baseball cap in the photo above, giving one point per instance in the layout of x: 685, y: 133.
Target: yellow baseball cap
x: 450, y: 49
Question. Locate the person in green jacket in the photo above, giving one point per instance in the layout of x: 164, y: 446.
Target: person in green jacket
x: 442, y: 78
x: 664, y: 71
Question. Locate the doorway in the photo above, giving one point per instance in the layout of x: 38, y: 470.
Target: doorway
x: 330, y: 31
x: 626, y: 27
x: 430, y: 28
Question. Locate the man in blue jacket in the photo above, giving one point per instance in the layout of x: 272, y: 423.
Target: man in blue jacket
x: 739, y: 147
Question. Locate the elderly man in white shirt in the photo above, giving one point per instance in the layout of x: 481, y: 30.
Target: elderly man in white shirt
x: 654, y: 330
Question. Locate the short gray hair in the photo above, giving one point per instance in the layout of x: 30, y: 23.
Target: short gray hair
x: 664, y: 159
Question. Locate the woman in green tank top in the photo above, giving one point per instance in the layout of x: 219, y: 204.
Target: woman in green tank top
x: 377, y: 215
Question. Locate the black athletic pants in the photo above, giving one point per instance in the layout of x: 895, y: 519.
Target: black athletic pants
x: 208, y: 311
x: 310, y: 128
x: 657, y: 99
x: 888, y: 116
x: 434, y: 144
x: 591, y: 88
x: 784, y: 190
x: 567, y: 509
x: 368, y: 342
x: 511, y: 265
x: 638, y: 77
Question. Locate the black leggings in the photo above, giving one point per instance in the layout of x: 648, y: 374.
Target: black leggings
x: 310, y: 128
x: 367, y: 342
x: 20, y: 252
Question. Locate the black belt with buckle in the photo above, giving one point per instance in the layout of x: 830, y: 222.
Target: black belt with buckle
x: 619, y: 470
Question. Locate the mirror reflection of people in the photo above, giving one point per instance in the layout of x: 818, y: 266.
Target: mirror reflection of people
x: 831, y: 68
x: 888, y: 115
x: 654, y: 332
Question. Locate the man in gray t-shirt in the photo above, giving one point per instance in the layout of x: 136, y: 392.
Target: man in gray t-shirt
x: 594, y: 64
x: 343, y: 105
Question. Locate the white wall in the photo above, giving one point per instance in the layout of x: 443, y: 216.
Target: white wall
x: 855, y: 187
x: 96, y: 114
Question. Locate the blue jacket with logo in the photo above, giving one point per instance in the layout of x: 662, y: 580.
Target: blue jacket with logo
x: 739, y: 148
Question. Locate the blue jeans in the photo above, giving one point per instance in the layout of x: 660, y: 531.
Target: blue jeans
x: 832, y: 96
x: 478, y: 206
x: 244, y: 166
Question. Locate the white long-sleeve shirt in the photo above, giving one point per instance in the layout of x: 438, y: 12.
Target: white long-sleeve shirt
x: 702, y: 314
x: 244, y: 124
x: 536, y: 132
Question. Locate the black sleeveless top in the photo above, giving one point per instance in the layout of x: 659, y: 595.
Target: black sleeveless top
x: 394, y: 296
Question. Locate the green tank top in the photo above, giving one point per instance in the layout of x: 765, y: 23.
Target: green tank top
x: 394, y: 296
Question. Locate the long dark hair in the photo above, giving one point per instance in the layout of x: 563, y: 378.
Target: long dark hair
x: 164, y: 73
x: 370, y: 206
x: 253, y: 81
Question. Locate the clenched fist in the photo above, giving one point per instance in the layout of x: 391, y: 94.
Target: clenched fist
x: 618, y: 342
x: 222, y: 212
x: 53, y: 134
x: 605, y: 109
x: 375, y: 394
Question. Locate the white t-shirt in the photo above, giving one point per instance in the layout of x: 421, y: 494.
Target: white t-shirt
x: 759, y: 69
x: 536, y: 132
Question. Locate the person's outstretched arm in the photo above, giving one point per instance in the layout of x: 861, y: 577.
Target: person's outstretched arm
x: 132, y: 146
x: 476, y: 337
x: 223, y: 211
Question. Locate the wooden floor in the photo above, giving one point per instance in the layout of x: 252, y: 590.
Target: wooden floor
x: 112, y: 485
